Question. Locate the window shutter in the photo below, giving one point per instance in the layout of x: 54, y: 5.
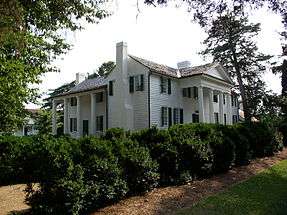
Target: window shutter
x: 132, y: 86
x: 189, y: 92
x: 161, y: 84
x: 195, y: 92
x: 71, y: 128
x: 181, y: 116
x: 162, y: 116
x: 169, y: 86
x: 169, y: 117
x: 142, y: 82
x: 174, y: 116
x: 111, y: 88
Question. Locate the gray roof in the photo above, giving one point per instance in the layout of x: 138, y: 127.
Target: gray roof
x: 185, y: 72
x: 155, y: 67
x: 88, y: 84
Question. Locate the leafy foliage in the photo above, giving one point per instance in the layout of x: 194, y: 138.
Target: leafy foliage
x: 230, y: 42
x: 30, y: 39
x: 79, y: 176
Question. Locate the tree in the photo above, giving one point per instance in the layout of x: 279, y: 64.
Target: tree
x: 104, y: 70
x: 230, y: 42
x: 30, y: 39
x: 207, y: 10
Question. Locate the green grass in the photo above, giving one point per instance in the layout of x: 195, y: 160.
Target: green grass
x: 263, y: 194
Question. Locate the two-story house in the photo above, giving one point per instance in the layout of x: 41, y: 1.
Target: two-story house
x: 140, y: 94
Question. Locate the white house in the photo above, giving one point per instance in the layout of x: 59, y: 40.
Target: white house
x: 140, y: 94
x: 28, y: 127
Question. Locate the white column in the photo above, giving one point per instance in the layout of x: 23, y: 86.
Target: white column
x: 229, y: 109
x: 54, y: 118
x: 93, y: 114
x: 221, y: 116
x: 66, y: 121
x: 211, y: 108
x: 79, y: 121
x: 201, y: 104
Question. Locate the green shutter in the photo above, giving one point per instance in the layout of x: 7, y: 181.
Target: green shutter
x: 132, y: 86
x: 161, y: 84
x: 189, y: 92
x: 142, y: 82
x: 169, y: 117
x: 181, y: 116
x: 111, y: 88
x: 169, y: 86
x: 162, y: 116
x: 195, y: 92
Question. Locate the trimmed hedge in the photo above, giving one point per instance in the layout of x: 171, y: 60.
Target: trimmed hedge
x: 78, y: 176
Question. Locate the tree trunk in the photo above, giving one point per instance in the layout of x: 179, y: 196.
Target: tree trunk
x: 247, y: 115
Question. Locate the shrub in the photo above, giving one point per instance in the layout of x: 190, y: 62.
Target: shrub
x: 243, y: 152
x: 223, y: 148
x: 140, y: 171
x: 262, y: 139
x: 161, y: 150
x: 114, y: 134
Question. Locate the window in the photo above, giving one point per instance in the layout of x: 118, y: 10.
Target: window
x: 163, y: 116
x: 165, y: 85
x: 233, y: 101
x: 215, y: 98
x: 224, y: 99
x: 186, y: 92
x: 181, y: 116
x: 73, y: 101
x: 132, y: 86
x: 169, y: 117
x: 139, y: 82
x: 175, y: 116
x: 225, y: 119
x: 99, y: 123
x: 73, y: 124
x: 234, y: 119
x: 169, y: 86
x: 216, y: 118
x: 195, y: 118
x: 195, y: 92
x: 99, y: 97
x: 136, y: 83
x: 111, y: 88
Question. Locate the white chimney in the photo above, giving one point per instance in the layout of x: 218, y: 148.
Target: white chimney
x: 183, y: 64
x: 121, y: 58
x: 80, y: 77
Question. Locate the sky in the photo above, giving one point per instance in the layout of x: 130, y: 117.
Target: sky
x: 165, y: 35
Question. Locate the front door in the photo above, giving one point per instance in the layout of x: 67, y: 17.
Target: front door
x: 85, y: 127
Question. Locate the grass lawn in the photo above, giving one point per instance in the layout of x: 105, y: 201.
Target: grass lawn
x: 265, y: 193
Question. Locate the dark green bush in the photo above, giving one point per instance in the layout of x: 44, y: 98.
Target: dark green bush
x: 237, y: 133
x: 114, y: 134
x: 161, y: 150
x: 140, y: 171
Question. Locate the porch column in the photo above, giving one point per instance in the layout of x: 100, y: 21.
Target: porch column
x: 211, y: 108
x: 54, y: 118
x: 201, y: 104
x: 93, y: 114
x: 66, y: 123
x: 79, y: 132
x: 229, y: 109
x: 221, y: 116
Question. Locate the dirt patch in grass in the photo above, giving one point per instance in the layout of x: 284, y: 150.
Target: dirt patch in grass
x: 161, y: 200
x: 12, y: 199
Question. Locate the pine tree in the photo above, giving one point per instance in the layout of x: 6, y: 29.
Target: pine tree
x: 231, y: 42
